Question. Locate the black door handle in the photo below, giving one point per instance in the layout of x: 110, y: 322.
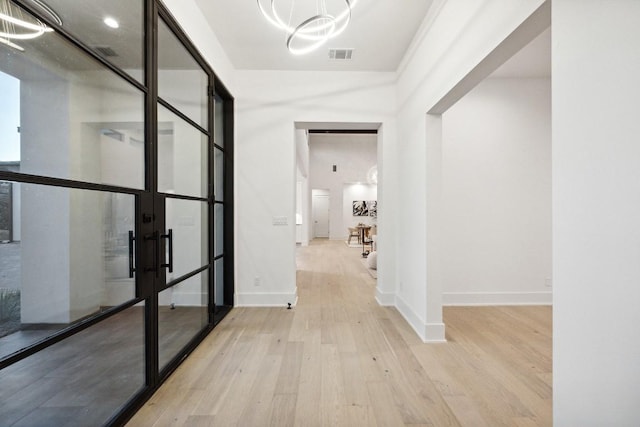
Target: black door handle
x: 169, y: 237
x: 131, y: 242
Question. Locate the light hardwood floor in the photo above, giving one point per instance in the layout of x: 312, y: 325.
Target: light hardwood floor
x: 339, y: 359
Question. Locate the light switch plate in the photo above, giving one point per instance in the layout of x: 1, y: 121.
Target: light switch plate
x: 280, y: 220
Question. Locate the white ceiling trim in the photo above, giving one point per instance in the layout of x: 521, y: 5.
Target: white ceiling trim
x: 423, y: 30
x: 338, y: 125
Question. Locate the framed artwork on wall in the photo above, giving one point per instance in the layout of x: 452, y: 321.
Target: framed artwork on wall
x: 360, y: 208
x: 372, y: 207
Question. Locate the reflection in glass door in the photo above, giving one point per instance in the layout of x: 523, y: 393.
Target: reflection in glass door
x: 113, y: 217
x: 72, y: 164
x: 183, y: 177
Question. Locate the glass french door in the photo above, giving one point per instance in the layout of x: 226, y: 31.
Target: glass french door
x: 223, y: 206
x: 115, y: 208
x: 182, y: 199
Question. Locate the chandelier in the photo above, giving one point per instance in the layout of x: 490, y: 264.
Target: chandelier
x: 308, y: 25
x: 17, y: 25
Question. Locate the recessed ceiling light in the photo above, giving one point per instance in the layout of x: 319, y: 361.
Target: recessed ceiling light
x: 110, y: 22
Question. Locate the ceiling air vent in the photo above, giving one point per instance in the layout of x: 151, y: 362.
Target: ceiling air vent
x: 105, y: 51
x: 342, y: 54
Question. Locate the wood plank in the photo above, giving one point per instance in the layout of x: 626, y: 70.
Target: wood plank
x: 332, y: 394
x: 310, y: 387
x: 289, y: 375
x: 258, y: 402
x: 385, y: 414
x: 339, y: 359
x: 200, y: 421
x: 283, y: 410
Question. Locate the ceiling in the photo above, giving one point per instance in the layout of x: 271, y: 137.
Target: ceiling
x: 252, y: 43
x: 380, y: 32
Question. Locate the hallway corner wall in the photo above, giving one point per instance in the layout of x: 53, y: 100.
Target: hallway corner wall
x: 459, y: 38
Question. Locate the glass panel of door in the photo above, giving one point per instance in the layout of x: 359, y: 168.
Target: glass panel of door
x: 71, y: 257
x: 218, y: 229
x: 182, y: 156
x: 182, y: 314
x: 187, y: 247
x: 183, y: 177
x: 181, y: 80
x: 82, y: 380
x: 97, y: 220
x: 219, y: 285
x: 70, y: 116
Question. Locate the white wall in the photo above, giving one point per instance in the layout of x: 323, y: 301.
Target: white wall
x: 299, y: 221
x: 303, y: 208
x: 460, y: 35
x: 303, y: 191
x: 354, y: 155
x: 268, y: 104
x: 496, y: 194
x: 596, y: 211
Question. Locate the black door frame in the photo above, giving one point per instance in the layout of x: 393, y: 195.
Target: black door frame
x: 150, y: 207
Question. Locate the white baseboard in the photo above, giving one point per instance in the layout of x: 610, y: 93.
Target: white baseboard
x: 191, y: 299
x: 497, y: 298
x: 385, y: 298
x: 428, y: 332
x: 256, y: 299
x: 434, y: 332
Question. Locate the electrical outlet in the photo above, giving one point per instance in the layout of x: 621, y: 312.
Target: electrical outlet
x: 547, y: 282
x: 256, y: 281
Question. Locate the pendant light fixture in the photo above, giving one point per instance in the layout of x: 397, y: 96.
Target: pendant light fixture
x: 17, y: 25
x: 310, y: 24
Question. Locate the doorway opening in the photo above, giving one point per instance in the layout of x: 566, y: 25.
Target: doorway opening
x: 337, y: 189
x: 496, y: 186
